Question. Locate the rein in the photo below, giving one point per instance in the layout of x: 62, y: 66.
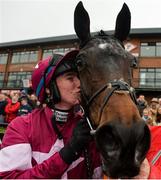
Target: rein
x: 117, y: 85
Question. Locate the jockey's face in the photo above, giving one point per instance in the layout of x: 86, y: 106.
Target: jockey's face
x: 69, y: 88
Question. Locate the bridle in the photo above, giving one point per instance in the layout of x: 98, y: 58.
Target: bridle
x: 116, y: 85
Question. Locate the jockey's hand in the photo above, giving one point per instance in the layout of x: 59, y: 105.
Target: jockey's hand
x: 79, y: 140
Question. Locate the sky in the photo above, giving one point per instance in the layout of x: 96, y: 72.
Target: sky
x: 32, y: 19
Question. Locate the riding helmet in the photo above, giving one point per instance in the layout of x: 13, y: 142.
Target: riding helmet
x: 48, y: 69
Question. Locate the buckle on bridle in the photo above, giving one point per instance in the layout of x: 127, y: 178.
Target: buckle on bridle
x: 92, y: 130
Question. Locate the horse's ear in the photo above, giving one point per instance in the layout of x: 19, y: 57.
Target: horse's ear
x: 123, y: 23
x: 82, y: 23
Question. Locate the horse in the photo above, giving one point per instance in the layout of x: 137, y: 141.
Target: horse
x: 104, y: 68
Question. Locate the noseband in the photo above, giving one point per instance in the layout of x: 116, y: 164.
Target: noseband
x: 113, y: 86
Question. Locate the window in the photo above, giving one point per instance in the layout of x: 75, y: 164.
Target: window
x: 3, y: 58
x: 158, y: 77
x: 47, y: 53
x: 24, y: 57
x: 51, y: 52
x: 158, y: 49
x: 16, y: 58
x: 150, y: 78
x: 150, y: 49
x: 15, y: 79
x: 33, y: 56
x: 1, y: 79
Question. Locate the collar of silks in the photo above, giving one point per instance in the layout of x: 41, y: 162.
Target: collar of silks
x: 144, y: 171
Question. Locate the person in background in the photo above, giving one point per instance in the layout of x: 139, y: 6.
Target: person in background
x: 7, y: 97
x: 12, y: 108
x: 158, y: 118
x: 147, y: 116
x: 52, y: 142
x: 33, y: 101
x: 159, y: 102
x: 3, y: 103
x: 154, y: 108
x: 142, y: 103
x: 25, y: 108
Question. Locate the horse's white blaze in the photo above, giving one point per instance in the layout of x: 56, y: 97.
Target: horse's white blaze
x: 103, y: 45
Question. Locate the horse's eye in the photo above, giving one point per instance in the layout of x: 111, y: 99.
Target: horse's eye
x: 80, y: 64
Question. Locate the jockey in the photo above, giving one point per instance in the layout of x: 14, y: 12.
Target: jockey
x: 51, y: 141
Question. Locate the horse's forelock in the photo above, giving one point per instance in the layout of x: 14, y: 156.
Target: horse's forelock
x: 110, y: 44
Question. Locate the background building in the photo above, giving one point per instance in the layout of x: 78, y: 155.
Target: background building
x: 18, y: 59
x: 145, y: 44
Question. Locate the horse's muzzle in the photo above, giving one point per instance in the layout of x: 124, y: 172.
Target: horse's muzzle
x: 122, y: 148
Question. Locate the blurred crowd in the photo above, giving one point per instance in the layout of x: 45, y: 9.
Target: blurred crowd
x: 16, y: 103
x: 150, y: 112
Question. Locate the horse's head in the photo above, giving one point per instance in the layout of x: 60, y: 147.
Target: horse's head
x: 104, y: 69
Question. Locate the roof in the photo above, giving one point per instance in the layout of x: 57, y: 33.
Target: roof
x: 145, y: 32
x: 55, y: 39
x: 139, y: 32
